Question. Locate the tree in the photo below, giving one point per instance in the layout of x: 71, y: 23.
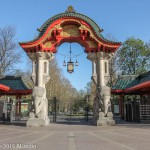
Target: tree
x: 80, y: 102
x: 112, y: 71
x: 132, y: 57
x: 9, y: 54
x: 26, y: 77
x: 112, y: 63
x: 60, y: 87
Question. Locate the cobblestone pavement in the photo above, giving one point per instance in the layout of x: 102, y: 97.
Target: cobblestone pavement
x: 76, y: 136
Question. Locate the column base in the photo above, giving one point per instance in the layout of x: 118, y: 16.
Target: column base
x: 104, y: 121
x: 37, y: 122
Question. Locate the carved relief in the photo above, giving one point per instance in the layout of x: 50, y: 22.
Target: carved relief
x: 49, y: 44
x: 104, y: 99
x: 83, y: 27
x: 91, y: 44
x: 70, y: 30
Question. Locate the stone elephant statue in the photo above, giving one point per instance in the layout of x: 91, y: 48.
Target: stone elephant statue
x: 40, y: 102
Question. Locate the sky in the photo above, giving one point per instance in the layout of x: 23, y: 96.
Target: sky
x: 119, y: 18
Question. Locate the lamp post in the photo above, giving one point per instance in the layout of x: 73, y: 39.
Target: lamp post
x: 55, y: 107
x: 87, y: 107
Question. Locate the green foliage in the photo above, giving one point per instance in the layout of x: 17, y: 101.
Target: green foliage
x: 133, y: 57
x: 81, y: 99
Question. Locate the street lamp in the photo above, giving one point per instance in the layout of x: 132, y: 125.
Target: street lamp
x: 87, y: 98
x: 55, y: 107
x: 70, y: 66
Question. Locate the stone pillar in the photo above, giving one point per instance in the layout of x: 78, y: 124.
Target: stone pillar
x: 100, y: 69
x: 33, y: 67
x: 93, y: 68
x: 92, y: 57
x: 102, y: 114
x: 94, y: 74
x: 40, y: 75
x: 40, y: 72
x: 103, y: 92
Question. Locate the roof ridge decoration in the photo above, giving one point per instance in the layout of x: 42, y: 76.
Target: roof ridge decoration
x: 70, y: 9
x: 71, y: 13
x: 86, y: 32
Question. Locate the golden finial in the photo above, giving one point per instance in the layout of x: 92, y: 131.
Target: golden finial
x: 70, y: 9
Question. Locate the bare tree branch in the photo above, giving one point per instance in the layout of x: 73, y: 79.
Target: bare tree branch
x: 9, y: 55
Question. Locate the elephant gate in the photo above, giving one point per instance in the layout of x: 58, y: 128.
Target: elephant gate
x: 70, y: 27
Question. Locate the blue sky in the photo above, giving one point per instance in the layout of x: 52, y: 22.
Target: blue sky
x: 121, y: 19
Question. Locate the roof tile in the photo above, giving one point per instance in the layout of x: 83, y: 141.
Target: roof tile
x: 15, y: 83
x: 96, y: 28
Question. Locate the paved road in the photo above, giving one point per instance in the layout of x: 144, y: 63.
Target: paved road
x: 76, y: 136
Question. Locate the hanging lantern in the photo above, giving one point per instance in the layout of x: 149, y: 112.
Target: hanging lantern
x: 64, y: 63
x: 70, y: 66
x: 76, y: 63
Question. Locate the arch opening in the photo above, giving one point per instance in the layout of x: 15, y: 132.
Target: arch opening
x: 71, y: 27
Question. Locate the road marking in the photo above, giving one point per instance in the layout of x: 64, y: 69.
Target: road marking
x: 71, y: 138
x: 111, y: 141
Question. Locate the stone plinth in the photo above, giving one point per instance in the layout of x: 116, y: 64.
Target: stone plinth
x: 37, y: 122
x: 104, y: 121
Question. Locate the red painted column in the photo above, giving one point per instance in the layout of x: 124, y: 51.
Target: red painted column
x: 121, y: 106
x: 18, y: 105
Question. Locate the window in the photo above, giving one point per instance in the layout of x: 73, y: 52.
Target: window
x: 105, y: 67
x: 45, y: 67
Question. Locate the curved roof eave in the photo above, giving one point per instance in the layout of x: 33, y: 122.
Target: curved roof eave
x: 95, y: 27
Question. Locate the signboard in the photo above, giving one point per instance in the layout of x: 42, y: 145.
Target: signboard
x: 116, y: 109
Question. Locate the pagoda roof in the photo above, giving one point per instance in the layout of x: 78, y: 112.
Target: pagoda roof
x: 140, y: 82
x: 4, y: 88
x: 13, y: 82
x: 73, y: 14
x: 122, y: 83
x: 140, y: 79
x: 132, y: 84
x: 15, y: 85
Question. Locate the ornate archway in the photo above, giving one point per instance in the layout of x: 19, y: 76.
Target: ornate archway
x: 70, y: 27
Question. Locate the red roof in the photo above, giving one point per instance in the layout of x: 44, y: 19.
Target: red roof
x: 141, y: 84
x: 144, y: 85
x: 4, y: 88
x: 10, y: 85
